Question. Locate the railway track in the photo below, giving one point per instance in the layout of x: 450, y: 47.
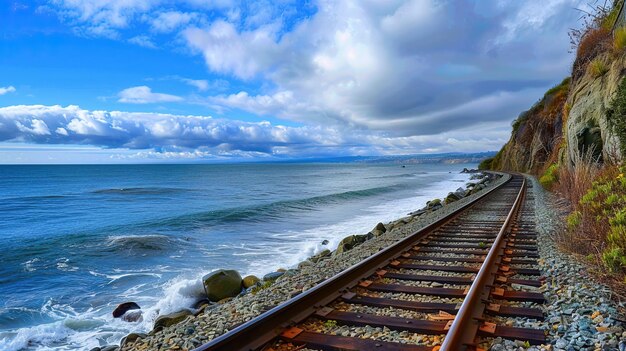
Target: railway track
x: 453, y: 285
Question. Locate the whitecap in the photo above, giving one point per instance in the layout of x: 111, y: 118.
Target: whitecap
x: 43, y: 335
x: 29, y: 265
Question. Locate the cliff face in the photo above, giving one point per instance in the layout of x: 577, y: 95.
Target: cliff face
x: 537, y: 134
x: 587, y: 128
x: 569, y: 121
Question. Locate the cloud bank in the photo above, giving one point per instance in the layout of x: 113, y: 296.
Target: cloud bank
x: 186, y: 135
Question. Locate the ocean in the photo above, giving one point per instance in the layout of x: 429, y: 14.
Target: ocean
x: 78, y: 240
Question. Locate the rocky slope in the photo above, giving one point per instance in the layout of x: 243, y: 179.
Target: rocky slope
x: 572, y: 119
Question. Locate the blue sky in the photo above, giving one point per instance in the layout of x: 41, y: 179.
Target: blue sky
x: 101, y: 81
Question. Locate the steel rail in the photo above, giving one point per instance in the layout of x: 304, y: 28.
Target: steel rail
x: 465, y: 326
x: 267, y: 326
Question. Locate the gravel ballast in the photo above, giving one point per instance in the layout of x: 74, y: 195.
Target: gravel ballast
x: 579, y: 312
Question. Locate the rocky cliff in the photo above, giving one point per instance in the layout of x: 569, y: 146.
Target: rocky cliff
x: 575, y: 117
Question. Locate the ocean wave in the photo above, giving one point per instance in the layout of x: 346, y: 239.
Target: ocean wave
x: 130, y: 277
x: 139, y: 191
x: 34, y: 198
x: 40, y: 335
x: 391, y: 176
x: 148, y: 242
x: 31, y: 265
x: 272, y: 210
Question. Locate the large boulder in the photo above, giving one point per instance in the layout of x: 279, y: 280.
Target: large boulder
x: 434, y: 204
x: 379, y: 229
x: 349, y: 242
x: 132, y: 316
x: 272, y: 276
x: 250, y: 281
x: 319, y: 256
x: 124, y: 307
x: 452, y: 197
x: 221, y: 284
x: 168, y: 320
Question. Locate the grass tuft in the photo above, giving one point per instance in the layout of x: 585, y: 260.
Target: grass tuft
x: 550, y: 176
x: 597, y: 67
x: 619, y: 39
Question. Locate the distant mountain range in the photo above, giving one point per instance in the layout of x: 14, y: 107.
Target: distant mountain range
x: 450, y: 158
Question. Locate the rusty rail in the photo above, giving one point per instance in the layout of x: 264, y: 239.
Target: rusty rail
x: 465, y: 326
x: 269, y: 325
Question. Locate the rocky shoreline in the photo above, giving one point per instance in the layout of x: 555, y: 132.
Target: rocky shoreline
x: 233, y: 300
x: 580, y: 314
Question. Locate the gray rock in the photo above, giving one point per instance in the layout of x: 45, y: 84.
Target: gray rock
x: 124, y: 307
x: 324, y: 253
x: 222, y: 284
x: 132, y: 316
x: 433, y: 203
x: 452, y: 197
x: 350, y: 242
x: 273, y: 276
x: 379, y: 229
x: 250, y: 281
x: 171, y: 319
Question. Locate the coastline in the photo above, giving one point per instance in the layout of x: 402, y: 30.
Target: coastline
x: 204, y: 321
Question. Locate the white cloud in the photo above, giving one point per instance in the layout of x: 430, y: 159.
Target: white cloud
x: 200, y: 84
x: 103, y: 17
x: 144, y: 95
x: 38, y: 127
x: 108, y: 17
x: 227, y: 51
x: 168, y: 21
x: 6, y: 90
x: 405, y: 67
x: 186, y: 136
x: 142, y: 40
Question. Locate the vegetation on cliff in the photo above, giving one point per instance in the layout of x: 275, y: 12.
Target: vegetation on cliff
x: 537, y: 134
x: 574, y: 138
x: 616, y: 113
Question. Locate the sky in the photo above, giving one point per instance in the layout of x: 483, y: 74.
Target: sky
x: 132, y: 81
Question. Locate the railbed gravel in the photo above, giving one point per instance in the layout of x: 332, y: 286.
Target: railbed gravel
x: 579, y: 312
x: 220, y: 318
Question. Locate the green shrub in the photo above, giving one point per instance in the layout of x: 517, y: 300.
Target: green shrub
x: 563, y: 86
x: 602, y: 214
x: 619, y: 39
x: 573, y: 219
x: 550, y: 176
x: 597, y: 67
x: 614, y: 259
x: 486, y: 164
x: 266, y: 284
